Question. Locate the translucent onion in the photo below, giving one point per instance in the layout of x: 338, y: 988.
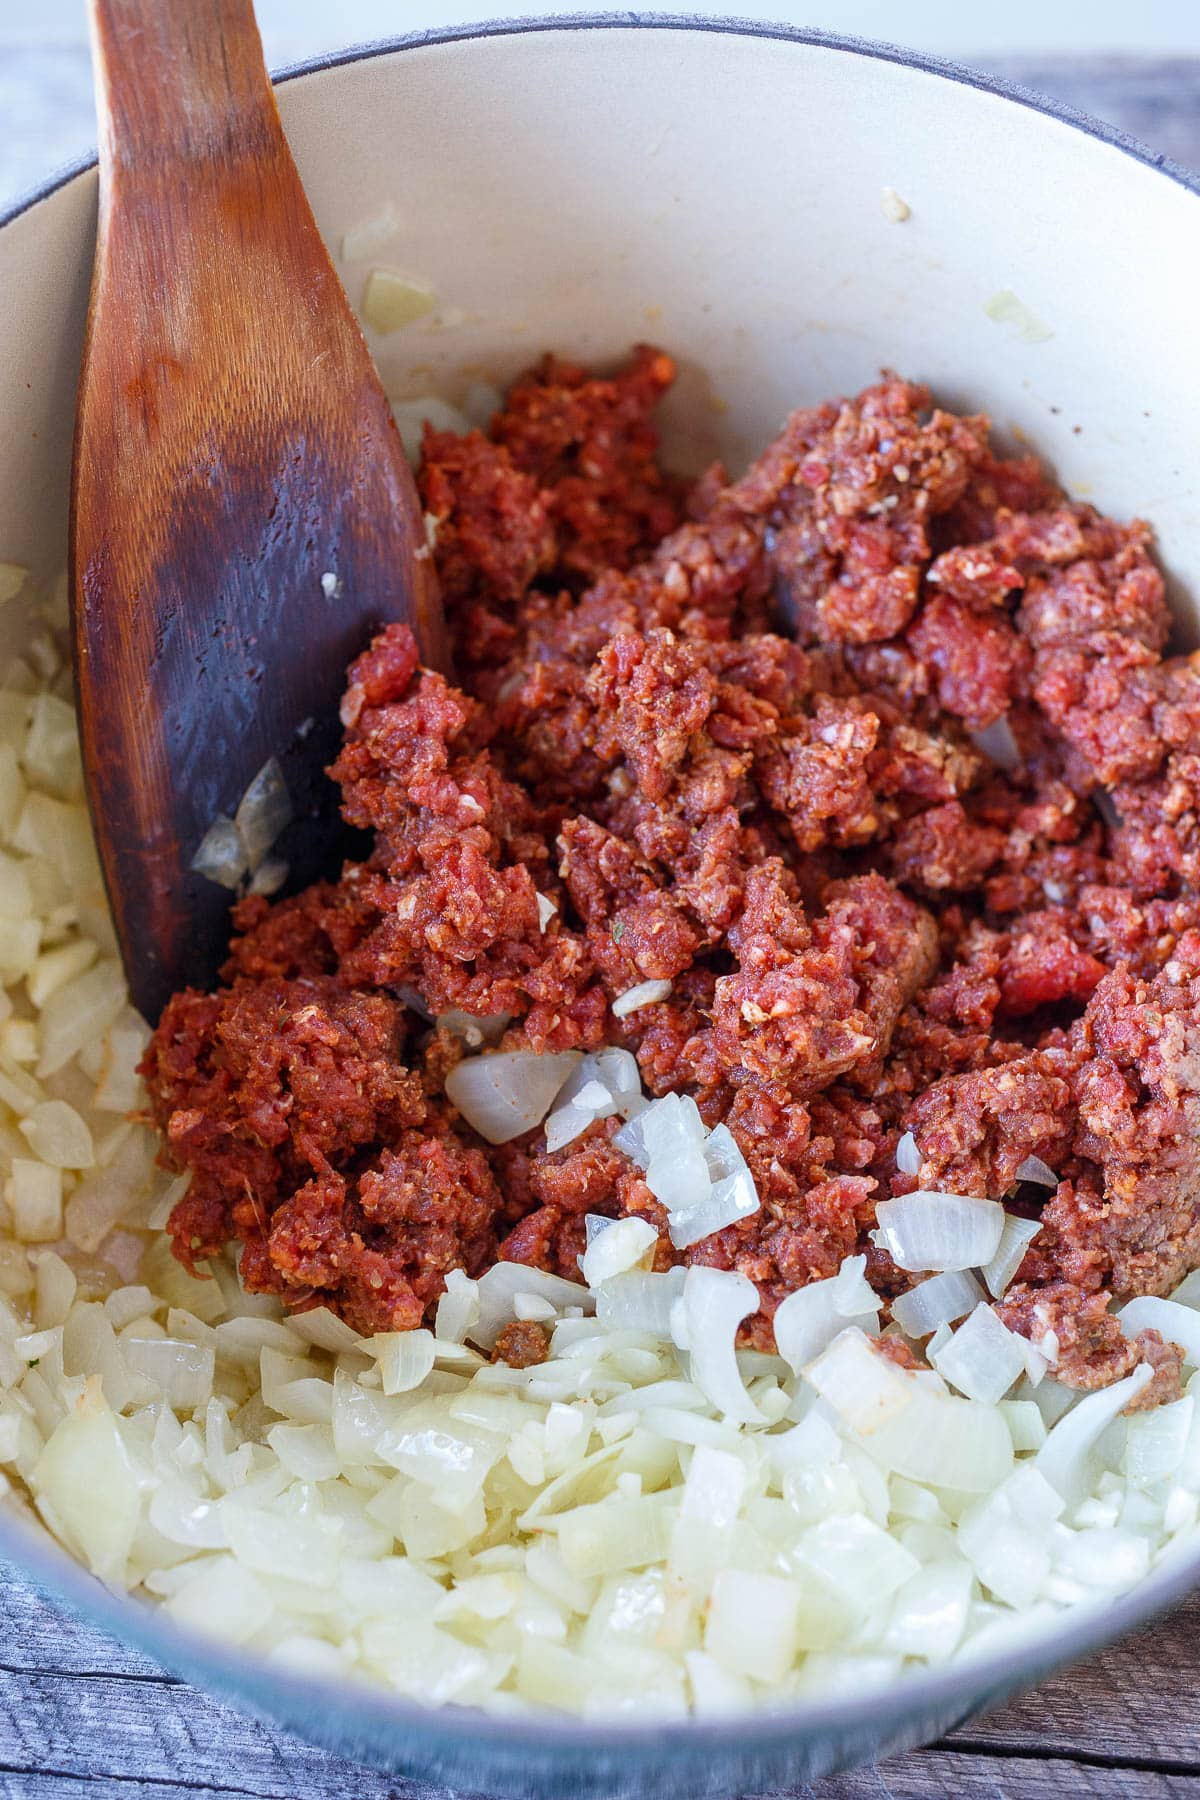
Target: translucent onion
x: 221, y: 855
x: 624, y: 1246
x: 458, y: 1308
x: 998, y: 743
x: 945, y: 1442
x: 714, y: 1303
x: 509, y: 1092
x: 983, y: 1359
x: 1034, y: 1169
x: 646, y: 993
x: 1015, y: 1240
x: 932, y: 1230
x: 1063, y: 1458
x: 1177, y: 1324
x: 908, y: 1157
x: 605, y: 1083
x: 498, y: 1286
x: 640, y: 1302
x: 865, y: 1389
x: 807, y: 1321
x: 940, y: 1300
x: 263, y: 811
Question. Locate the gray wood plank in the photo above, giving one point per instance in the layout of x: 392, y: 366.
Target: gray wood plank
x: 1135, y: 1701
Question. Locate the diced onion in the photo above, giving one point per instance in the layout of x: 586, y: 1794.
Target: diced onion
x: 458, y: 1308
x: 624, y: 1246
x: 498, y: 1286
x: 983, y: 1359
x: 221, y: 856
x: 807, y: 1321
x: 1177, y: 1324
x: 1063, y: 1458
x: 997, y: 742
x: 263, y: 811
x: 1015, y: 1240
x: 714, y: 1303
x: 939, y: 1300
x: 605, y: 1083
x: 508, y: 1092
x: 864, y: 1388
x: 932, y: 1230
x: 646, y: 993
x: 404, y: 1358
x: 1034, y: 1169
x: 908, y: 1157
x: 640, y: 1302
x: 391, y: 301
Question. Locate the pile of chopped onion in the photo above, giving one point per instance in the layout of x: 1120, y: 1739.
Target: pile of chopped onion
x: 651, y: 1522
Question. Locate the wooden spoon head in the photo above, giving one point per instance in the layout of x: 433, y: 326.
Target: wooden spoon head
x: 243, y: 515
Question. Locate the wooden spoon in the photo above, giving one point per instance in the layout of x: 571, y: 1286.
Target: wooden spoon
x: 243, y: 515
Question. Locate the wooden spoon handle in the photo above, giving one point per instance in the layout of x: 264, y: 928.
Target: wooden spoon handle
x: 242, y: 512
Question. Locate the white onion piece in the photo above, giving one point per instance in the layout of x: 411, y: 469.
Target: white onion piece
x: 221, y: 856
x: 640, y: 1302
x: 1188, y: 1291
x: 626, y: 1245
x: 997, y: 742
x: 714, y: 1303
x: 498, y: 1287
x: 1034, y: 1169
x: 474, y: 1030
x: 944, y: 1441
x: 908, y: 1157
x: 646, y: 993
x: 1015, y: 1240
x: 181, y: 1372
x: 731, y: 1196
x: 1063, y: 1457
x: 458, y: 1308
x: 864, y: 1388
x: 673, y: 1135
x: 324, y: 1329
x: 605, y: 1083
x: 1177, y: 1324
x: 508, y: 1093
x: 546, y: 910
x: 940, y: 1300
x: 931, y: 1230
x: 808, y: 1321
x: 404, y: 1358
x: 853, y: 1294
x: 263, y: 811
x: 983, y: 1358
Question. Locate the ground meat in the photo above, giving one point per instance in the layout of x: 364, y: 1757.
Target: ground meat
x: 522, y: 1344
x: 725, y: 738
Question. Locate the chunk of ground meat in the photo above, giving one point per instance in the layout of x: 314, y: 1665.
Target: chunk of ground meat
x: 522, y: 1345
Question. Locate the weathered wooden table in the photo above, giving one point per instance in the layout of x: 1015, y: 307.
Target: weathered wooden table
x: 81, y: 1716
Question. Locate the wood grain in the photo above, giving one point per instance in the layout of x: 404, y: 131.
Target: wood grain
x: 234, y: 451
x: 83, y: 1717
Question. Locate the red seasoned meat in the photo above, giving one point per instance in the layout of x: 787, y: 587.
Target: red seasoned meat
x: 723, y: 738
